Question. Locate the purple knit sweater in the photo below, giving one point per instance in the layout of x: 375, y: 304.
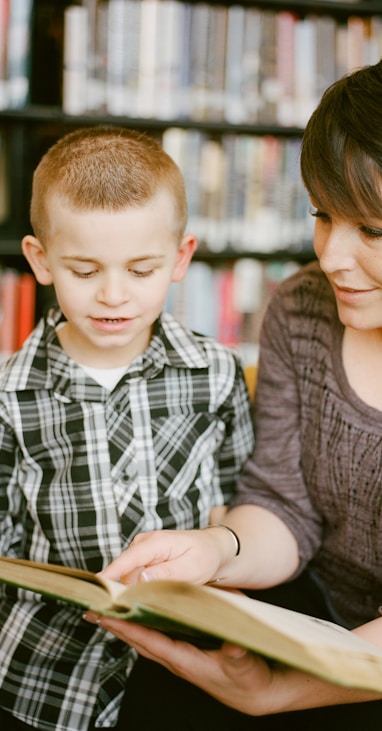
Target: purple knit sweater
x: 318, y: 457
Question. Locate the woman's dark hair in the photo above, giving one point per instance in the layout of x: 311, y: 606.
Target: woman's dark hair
x: 341, y: 153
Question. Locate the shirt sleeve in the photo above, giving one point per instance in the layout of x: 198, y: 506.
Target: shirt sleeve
x: 272, y: 477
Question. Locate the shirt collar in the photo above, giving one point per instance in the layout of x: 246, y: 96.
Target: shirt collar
x: 42, y: 364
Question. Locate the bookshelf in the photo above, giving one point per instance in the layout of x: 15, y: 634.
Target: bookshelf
x: 229, y: 98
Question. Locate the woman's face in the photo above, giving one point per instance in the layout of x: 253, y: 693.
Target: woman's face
x: 350, y: 254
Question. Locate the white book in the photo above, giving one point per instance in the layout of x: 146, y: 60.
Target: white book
x: 18, y: 52
x: 147, y: 102
x: 305, y: 69
x: 75, y: 60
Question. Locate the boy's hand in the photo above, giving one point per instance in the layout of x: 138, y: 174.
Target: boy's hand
x: 187, y: 555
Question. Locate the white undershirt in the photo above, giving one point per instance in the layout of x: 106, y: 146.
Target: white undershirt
x: 106, y: 377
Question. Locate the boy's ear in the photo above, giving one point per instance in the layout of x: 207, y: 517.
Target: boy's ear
x: 185, y: 253
x: 35, y: 255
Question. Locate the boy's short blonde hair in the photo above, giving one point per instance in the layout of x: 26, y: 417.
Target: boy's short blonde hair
x: 107, y: 168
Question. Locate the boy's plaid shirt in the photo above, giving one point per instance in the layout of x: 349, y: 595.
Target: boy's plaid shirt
x: 82, y: 470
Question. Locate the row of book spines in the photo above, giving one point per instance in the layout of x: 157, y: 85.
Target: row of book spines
x: 244, y: 192
x: 170, y: 59
x: 17, y: 309
x: 228, y: 302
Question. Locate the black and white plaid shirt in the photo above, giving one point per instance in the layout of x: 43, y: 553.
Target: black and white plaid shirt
x: 82, y: 470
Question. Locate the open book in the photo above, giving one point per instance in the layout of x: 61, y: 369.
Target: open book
x: 207, y: 616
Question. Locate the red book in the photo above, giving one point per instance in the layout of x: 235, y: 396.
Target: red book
x: 9, y: 286
x: 26, y: 307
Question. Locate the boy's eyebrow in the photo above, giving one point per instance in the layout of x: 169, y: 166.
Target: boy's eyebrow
x: 132, y: 260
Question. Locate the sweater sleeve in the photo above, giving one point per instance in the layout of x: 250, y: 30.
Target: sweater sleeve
x: 272, y: 477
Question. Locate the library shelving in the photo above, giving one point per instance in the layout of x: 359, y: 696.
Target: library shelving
x: 226, y: 86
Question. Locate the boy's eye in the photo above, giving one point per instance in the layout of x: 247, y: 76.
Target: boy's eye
x: 141, y: 273
x: 83, y: 275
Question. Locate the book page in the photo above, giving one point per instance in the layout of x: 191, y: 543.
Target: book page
x: 314, y: 645
x: 60, y: 582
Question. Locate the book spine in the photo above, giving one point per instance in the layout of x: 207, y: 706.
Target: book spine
x: 230, y: 319
x: 268, y: 86
x: 4, y: 30
x: 148, y: 58
x: 200, y: 25
x: 97, y: 54
x: 116, y: 88
x: 326, y: 53
x: 215, y: 62
x: 9, y: 287
x: 251, y: 64
x: 75, y: 60
x: 305, y: 69
x: 26, y: 307
x: 168, y: 66
x: 19, y: 52
x: 285, y: 51
x: 234, y: 101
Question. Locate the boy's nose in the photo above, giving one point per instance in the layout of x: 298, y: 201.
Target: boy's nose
x: 113, y: 291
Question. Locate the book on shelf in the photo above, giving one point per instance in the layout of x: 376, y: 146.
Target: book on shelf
x: 250, y: 64
x: 26, y: 307
x: 146, y: 94
x: 200, y: 28
x: 4, y: 20
x: 234, y: 101
x: 97, y: 11
x: 206, y: 616
x: 169, y: 37
x: 122, y: 39
x: 75, y: 60
x: 18, y: 52
x: 285, y: 47
x: 305, y: 69
x: 17, y: 309
x: 9, y: 312
x: 215, y: 62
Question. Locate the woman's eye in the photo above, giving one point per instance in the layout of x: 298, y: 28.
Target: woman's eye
x: 316, y: 213
x: 371, y: 233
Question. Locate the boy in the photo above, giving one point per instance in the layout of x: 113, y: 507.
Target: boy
x: 114, y: 419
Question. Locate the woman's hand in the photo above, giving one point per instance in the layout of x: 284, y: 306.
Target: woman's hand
x: 233, y: 676
x: 230, y: 674
x: 188, y: 555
